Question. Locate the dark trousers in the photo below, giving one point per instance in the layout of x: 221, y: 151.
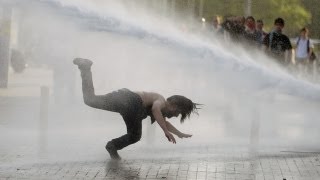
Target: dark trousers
x: 123, y: 101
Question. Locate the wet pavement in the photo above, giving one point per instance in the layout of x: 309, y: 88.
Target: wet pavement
x: 70, y: 145
x: 202, y: 162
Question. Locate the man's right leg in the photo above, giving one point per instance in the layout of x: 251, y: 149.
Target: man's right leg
x: 114, y: 101
x: 89, y: 96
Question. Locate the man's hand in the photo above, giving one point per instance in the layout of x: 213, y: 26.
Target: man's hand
x: 170, y: 137
x: 182, y: 135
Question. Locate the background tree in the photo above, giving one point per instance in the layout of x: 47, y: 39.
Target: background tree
x: 313, y: 7
x: 294, y: 12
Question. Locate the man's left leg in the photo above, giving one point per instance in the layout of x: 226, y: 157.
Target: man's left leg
x: 134, y: 132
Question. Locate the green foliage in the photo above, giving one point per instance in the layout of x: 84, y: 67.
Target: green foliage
x: 313, y: 8
x: 294, y: 12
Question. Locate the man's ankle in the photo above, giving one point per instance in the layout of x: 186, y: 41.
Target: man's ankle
x: 110, y: 147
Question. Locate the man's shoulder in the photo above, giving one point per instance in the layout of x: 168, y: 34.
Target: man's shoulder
x: 284, y: 36
x: 281, y: 38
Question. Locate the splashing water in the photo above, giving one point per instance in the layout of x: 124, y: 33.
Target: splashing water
x: 135, y: 48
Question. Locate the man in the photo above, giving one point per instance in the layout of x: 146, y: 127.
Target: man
x: 134, y: 107
x: 234, y: 27
x: 304, y: 50
x: 216, y: 27
x: 278, y: 45
x: 251, y: 34
x: 261, y: 32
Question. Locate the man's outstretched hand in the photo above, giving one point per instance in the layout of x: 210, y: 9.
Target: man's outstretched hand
x: 182, y: 135
x: 170, y: 137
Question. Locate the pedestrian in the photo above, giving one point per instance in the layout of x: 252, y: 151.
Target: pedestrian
x: 278, y: 45
x: 304, y: 48
x: 251, y: 35
x: 261, y: 32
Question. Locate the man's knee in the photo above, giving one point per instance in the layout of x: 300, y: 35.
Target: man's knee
x: 133, y: 138
x: 89, y: 101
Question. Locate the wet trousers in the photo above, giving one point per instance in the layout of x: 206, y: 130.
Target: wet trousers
x: 123, y: 101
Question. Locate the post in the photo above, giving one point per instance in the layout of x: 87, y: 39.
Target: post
x: 5, y: 29
x: 173, y: 8
x: 191, y: 8
x: 201, y: 9
x: 255, y: 104
x: 164, y: 8
x: 248, y: 9
x: 43, y: 121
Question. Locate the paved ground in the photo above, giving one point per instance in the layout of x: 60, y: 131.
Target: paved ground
x: 70, y: 145
x: 204, y: 163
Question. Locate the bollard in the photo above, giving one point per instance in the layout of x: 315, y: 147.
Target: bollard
x: 44, y: 103
x: 255, y: 124
x: 43, y: 121
x: 5, y: 30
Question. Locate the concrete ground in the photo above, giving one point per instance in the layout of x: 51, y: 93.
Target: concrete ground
x: 68, y: 143
x: 204, y: 162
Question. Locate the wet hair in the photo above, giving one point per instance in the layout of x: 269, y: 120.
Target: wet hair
x: 185, y: 105
x: 279, y: 21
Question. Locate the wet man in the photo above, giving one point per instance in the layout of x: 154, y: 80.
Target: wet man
x: 134, y: 107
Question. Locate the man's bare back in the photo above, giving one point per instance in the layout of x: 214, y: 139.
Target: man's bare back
x: 148, y: 98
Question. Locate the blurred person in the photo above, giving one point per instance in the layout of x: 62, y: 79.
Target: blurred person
x: 278, y: 45
x: 241, y: 20
x: 240, y: 27
x: 234, y: 26
x: 251, y: 34
x: 261, y: 33
x: 134, y: 107
x: 216, y: 27
x: 303, y: 51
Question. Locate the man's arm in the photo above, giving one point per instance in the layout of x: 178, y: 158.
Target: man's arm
x: 175, y: 131
x: 265, y: 43
x: 289, y: 53
x: 157, y: 114
x: 311, y: 47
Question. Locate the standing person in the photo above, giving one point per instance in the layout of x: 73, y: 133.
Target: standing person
x: 234, y: 28
x: 134, y: 107
x: 278, y: 45
x: 216, y: 27
x: 261, y: 33
x: 303, y: 51
x: 251, y: 34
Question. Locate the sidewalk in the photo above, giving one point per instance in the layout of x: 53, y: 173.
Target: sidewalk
x: 70, y: 145
x: 205, y: 162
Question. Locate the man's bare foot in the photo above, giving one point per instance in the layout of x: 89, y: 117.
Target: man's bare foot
x: 82, y: 63
x: 112, y: 151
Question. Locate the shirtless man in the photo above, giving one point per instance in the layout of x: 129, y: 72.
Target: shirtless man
x: 134, y: 107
